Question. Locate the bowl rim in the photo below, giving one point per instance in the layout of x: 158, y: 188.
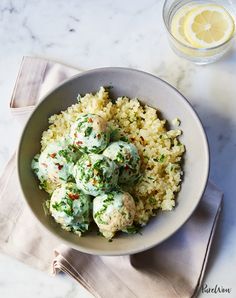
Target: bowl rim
x: 94, y: 251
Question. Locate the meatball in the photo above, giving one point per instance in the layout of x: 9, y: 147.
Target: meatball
x: 55, y: 162
x: 113, y: 212
x: 95, y: 173
x: 71, y: 208
x: 126, y: 156
x: 90, y: 133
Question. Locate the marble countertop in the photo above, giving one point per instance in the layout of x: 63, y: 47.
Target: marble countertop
x: 91, y: 34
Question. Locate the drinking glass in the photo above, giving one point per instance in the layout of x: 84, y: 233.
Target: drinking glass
x: 196, y: 55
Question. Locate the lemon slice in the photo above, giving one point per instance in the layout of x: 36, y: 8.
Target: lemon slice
x: 177, y: 23
x: 207, y: 26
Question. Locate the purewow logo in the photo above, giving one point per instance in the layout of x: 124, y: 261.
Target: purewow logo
x: 216, y: 289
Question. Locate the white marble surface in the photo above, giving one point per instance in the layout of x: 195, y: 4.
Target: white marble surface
x: 90, y: 34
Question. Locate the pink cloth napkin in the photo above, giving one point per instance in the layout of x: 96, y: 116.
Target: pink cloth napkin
x: 172, y: 269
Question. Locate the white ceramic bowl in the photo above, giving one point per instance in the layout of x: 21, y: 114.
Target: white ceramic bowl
x: 151, y: 91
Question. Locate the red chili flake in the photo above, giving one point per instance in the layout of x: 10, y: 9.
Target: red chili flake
x: 79, y: 143
x: 44, y: 164
x: 98, y: 136
x: 126, y: 167
x: 59, y: 166
x: 132, y: 139
x: 90, y: 120
x: 53, y: 155
x: 73, y: 196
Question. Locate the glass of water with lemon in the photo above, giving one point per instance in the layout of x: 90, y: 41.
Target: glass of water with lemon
x: 200, y: 31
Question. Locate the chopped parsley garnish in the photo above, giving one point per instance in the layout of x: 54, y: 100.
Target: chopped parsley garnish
x: 36, y: 158
x: 110, y: 198
x: 120, y: 158
x: 43, y: 184
x: 98, y: 214
x: 65, y: 153
x: 64, y: 206
x: 114, y: 134
x: 152, y: 200
x: 97, y: 164
x: 69, y: 202
x: 132, y: 229
x: 88, y: 131
x: 81, y: 123
x: 57, y: 206
x: 70, y: 178
x: 162, y: 157
x: 124, y: 139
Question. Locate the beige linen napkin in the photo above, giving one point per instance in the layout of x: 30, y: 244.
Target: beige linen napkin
x: 172, y: 269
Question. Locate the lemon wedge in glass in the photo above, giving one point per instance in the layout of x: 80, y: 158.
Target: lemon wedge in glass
x: 207, y: 26
x: 177, y: 23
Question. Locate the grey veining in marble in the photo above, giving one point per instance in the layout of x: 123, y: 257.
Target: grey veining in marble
x: 90, y: 34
